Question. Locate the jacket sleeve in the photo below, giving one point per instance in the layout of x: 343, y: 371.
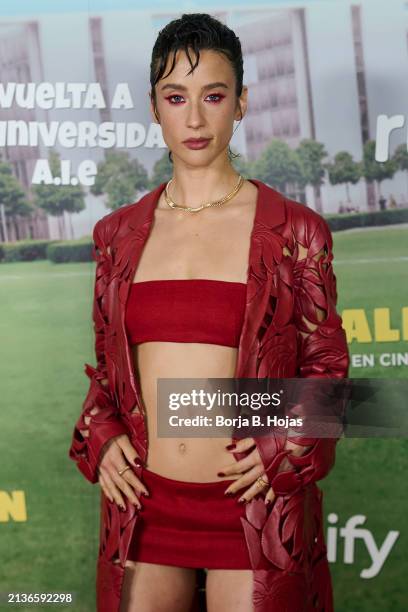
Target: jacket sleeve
x: 322, y: 353
x: 99, y: 420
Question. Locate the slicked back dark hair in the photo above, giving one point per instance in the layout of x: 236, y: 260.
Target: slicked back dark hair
x: 194, y: 31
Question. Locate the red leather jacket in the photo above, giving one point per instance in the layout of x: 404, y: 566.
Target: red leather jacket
x: 285, y: 542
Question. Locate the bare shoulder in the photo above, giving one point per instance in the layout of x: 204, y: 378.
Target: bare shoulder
x: 245, y: 200
x: 248, y: 194
x: 251, y: 189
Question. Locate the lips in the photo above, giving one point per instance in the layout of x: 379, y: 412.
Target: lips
x: 196, y: 143
x: 195, y: 140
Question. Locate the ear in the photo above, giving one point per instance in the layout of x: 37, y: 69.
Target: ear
x: 153, y: 110
x: 242, y: 104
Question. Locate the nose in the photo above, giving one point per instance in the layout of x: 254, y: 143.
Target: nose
x: 194, y: 115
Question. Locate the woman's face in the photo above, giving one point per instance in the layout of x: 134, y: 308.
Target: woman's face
x: 202, y: 104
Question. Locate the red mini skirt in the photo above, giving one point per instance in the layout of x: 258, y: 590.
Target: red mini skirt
x: 189, y: 524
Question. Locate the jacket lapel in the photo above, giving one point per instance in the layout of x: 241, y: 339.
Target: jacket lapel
x: 133, y: 233
x: 270, y: 212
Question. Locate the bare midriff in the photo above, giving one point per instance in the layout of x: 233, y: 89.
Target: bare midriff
x: 214, y: 245
x: 196, y: 459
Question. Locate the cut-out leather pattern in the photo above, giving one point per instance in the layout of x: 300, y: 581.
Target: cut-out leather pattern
x: 290, y: 284
x: 100, y: 419
x: 295, y: 341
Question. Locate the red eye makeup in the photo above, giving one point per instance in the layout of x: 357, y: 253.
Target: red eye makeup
x: 217, y: 95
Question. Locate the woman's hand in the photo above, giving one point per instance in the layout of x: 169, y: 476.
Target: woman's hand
x: 252, y: 468
x: 117, y: 453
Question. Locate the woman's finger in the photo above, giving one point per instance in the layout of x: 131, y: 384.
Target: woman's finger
x: 104, y: 487
x: 133, y: 458
x: 245, y: 480
x: 134, y: 482
x: 270, y: 496
x: 110, y: 485
x: 240, y: 445
x: 242, y: 465
x: 121, y: 483
x: 113, y: 462
x: 256, y: 488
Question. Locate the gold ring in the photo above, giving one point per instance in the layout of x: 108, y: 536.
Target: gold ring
x: 261, y: 482
x: 120, y: 472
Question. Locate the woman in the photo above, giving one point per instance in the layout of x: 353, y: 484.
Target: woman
x: 209, y: 276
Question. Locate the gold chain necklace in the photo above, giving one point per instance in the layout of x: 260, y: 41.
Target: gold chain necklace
x: 230, y: 195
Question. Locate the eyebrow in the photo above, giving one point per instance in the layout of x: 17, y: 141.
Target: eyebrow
x: 183, y: 88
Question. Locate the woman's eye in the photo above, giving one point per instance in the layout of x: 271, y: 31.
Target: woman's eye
x: 172, y: 97
x: 219, y: 96
x: 176, y: 98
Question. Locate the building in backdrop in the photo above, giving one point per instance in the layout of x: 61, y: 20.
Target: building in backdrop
x: 315, y: 71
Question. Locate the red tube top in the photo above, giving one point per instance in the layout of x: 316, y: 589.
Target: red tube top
x: 186, y: 310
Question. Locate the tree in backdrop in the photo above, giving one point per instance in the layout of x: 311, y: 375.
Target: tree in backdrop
x: 55, y: 200
x: 278, y: 166
x: 400, y: 158
x: 344, y: 170
x: 13, y: 198
x: 374, y: 171
x: 163, y: 168
x: 242, y: 165
x: 311, y: 155
x: 120, y: 178
x: 162, y: 171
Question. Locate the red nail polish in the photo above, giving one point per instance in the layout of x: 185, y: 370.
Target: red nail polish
x: 138, y: 462
x: 241, y: 500
x: 220, y: 474
x: 229, y: 493
x: 231, y: 446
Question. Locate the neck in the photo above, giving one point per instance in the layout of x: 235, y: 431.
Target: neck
x: 197, y: 186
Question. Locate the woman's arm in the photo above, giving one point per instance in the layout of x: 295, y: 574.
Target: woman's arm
x: 290, y: 463
x: 99, y: 420
x: 322, y: 353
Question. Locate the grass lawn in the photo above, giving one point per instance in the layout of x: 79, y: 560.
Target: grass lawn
x: 369, y: 474
x: 46, y: 339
